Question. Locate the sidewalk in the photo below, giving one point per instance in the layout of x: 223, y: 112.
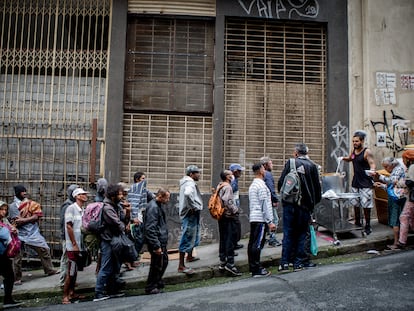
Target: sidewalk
x: 35, y: 284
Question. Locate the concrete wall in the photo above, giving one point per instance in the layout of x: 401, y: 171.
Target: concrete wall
x: 380, y: 40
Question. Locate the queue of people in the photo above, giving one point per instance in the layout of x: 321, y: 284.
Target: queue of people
x: 137, y: 213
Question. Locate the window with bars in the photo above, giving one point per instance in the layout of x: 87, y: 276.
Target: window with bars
x: 275, y: 91
x: 169, y: 65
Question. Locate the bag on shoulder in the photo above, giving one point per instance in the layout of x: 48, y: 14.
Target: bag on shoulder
x: 215, y: 204
x: 291, y: 190
x: 13, y: 245
x: 92, y: 218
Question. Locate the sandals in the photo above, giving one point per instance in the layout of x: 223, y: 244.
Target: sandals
x: 66, y: 301
x: 185, y: 270
x: 191, y: 259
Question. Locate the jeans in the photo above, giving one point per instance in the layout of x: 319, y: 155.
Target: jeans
x: 108, y: 271
x: 228, y: 233
x: 190, y: 236
x: 295, y: 228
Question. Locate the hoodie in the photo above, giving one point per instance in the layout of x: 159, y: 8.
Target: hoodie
x: 189, y: 198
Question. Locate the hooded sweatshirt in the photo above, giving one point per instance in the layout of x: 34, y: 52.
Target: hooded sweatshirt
x: 190, y: 197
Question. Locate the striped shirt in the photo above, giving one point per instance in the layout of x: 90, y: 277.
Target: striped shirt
x: 260, y: 203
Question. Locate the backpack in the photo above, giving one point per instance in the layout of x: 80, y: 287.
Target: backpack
x: 291, y: 191
x: 215, y: 204
x: 92, y: 218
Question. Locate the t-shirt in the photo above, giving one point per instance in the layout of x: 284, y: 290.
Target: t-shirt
x: 73, y: 214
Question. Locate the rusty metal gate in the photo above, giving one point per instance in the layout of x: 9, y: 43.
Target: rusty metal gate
x: 275, y: 91
x: 52, y: 99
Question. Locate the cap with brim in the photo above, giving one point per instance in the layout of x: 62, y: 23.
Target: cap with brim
x: 78, y: 191
x: 192, y: 169
x: 236, y: 167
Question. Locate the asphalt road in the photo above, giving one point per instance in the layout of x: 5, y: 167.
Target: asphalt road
x: 382, y: 283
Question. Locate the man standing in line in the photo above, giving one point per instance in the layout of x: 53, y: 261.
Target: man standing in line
x: 296, y: 216
x: 270, y: 183
x: 362, y: 160
x: 73, y: 239
x: 156, y: 237
x: 110, y: 265
x: 227, y: 225
x: 236, y: 169
x: 261, y: 220
x: 190, y: 205
x: 64, y: 259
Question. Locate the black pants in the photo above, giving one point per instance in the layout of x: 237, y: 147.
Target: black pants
x: 228, y: 233
x: 158, y: 266
x: 6, y: 270
x: 256, y: 242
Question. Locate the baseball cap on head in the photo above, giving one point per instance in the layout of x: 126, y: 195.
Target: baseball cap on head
x: 236, y: 167
x: 78, y: 191
x: 192, y: 169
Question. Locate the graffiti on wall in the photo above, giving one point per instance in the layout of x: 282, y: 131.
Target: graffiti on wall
x: 280, y: 8
x: 340, y: 135
x: 395, y: 135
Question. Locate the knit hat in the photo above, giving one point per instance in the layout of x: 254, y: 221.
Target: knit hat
x: 2, y: 203
x: 19, y: 189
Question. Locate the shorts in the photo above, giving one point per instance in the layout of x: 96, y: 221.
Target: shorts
x: 366, y: 197
x: 190, y: 228
x: 394, y: 211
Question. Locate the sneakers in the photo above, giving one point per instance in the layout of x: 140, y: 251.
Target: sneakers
x: 309, y: 265
x: 222, y: 267
x: 261, y: 273
x: 298, y: 268
x: 283, y: 268
x: 100, y: 297
x: 275, y: 243
x: 233, y: 270
x: 368, y: 230
x: 154, y: 291
x: 11, y: 304
x: 238, y: 246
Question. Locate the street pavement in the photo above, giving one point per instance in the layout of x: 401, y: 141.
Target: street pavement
x: 35, y: 284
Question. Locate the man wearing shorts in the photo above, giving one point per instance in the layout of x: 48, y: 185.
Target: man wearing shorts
x: 190, y: 205
x: 362, y: 181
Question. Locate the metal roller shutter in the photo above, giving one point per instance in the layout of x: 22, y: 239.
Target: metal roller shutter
x: 180, y: 7
x: 275, y: 91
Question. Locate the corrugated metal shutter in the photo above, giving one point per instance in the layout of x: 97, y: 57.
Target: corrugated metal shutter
x: 181, y: 7
x: 275, y: 91
x: 169, y: 65
x: 163, y: 145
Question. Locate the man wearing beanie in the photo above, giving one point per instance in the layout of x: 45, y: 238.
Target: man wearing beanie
x: 25, y: 214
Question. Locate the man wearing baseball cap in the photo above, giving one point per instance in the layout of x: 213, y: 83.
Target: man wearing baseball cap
x: 73, y: 238
x: 190, y: 205
x: 236, y: 169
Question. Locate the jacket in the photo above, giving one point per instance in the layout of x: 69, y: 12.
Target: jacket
x: 226, y: 195
x: 309, y: 177
x: 113, y: 226
x: 189, y: 199
x: 155, y: 226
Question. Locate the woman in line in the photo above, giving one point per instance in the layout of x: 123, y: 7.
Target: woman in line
x: 396, y: 198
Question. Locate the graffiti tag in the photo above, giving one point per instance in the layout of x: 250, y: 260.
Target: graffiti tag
x: 281, y: 8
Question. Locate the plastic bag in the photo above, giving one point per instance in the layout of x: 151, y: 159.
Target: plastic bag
x: 314, y: 242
